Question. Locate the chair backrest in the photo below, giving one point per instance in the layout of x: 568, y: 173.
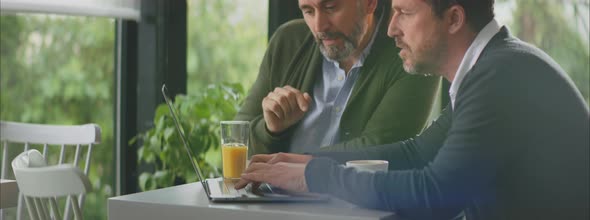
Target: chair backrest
x: 72, y: 142
x: 41, y: 185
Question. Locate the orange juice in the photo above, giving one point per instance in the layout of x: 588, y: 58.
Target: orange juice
x: 233, y: 157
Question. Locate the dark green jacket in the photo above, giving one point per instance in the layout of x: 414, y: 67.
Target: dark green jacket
x: 386, y: 104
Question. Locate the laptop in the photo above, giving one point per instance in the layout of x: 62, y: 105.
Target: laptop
x: 218, y: 190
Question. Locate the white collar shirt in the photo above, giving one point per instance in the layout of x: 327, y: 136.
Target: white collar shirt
x: 471, y: 55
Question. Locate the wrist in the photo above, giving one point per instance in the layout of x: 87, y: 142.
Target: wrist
x: 274, y: 133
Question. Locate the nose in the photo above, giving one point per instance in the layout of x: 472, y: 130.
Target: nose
x: 321, y: 22
x: 393, y: 28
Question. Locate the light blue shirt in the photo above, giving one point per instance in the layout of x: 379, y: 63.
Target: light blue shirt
x: 321, y: 124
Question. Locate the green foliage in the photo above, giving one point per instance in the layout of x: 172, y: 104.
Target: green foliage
x: 59, y: 70
x: 199, y: 116
x: 226, y: 41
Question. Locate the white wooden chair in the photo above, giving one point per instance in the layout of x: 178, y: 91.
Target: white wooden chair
x: 41, y: 184
x: 35, y: 179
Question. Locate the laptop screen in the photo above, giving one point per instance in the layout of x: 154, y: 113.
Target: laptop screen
x: 184, y: 140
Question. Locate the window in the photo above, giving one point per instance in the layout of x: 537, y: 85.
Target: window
x: 226, y: 41
x: 560, y: 28
x: 225, y: 44
x: 59, y: 70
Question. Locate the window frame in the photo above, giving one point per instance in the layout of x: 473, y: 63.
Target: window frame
x: 149, y: 53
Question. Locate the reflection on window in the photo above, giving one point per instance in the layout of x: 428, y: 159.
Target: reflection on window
x: 560, y: 28
x: 226, y: 41
x: 59, y: 70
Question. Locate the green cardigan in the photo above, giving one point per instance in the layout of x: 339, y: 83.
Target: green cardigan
x: 386, y: 104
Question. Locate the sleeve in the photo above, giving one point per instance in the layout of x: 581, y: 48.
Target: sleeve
x: 286, y: 40
x: 261, y: 141
x: 408, y: 154
x: 463, y: 169
x: 406, y: 106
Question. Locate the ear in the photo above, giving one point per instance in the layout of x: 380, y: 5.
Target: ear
x: 371, y: 6
x: 455, y: 18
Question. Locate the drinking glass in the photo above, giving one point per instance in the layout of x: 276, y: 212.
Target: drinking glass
x: 235, y: 137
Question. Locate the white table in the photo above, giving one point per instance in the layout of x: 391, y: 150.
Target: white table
x: 190, y: 202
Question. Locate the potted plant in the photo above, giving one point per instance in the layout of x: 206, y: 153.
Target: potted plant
x: 199, y: 115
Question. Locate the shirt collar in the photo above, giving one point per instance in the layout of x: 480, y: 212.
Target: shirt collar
x: 471, y: 56
x: 365, y: 52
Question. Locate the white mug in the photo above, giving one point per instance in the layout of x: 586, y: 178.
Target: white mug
x: 368, y: 165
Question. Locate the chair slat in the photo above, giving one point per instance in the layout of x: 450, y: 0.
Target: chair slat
x: 77, y: 155
x: 75, y: 207
x: 88, y: 154
x: 45, y: 150
x: 68, y: 209
x: 62, y: 154
x: 54, y: 208
x: 4, y: 160
x: 32, y: 211
x: 39, y: 208
x: 44, y: 208
x: 20, y: 206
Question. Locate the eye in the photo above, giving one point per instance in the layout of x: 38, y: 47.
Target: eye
x: 307, y: 11
x: 404, y: 12
x: 330, y: 7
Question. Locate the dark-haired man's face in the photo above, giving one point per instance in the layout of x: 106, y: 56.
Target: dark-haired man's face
x: 419, y: 34
x: 337, y: 25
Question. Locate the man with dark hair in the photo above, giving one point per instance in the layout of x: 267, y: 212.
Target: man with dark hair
x: 512, y: 144
x: 327, y: 81
x: 478, y: 13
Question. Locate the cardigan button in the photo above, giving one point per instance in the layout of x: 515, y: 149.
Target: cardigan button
x: 347, y: 133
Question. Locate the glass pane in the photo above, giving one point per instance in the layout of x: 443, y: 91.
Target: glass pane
x: 59, y: 70
x: 560, y: 28
x: 226, y: 41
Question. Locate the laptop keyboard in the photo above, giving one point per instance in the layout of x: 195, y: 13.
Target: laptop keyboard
x: 227, y: 188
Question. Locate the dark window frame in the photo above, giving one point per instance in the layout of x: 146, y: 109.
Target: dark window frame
x: 149, y: 53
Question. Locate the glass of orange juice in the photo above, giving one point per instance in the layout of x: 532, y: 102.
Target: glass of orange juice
x: 235, y: 137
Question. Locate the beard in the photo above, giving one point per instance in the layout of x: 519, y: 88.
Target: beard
x: 351, y: 42
x: 426, y: 59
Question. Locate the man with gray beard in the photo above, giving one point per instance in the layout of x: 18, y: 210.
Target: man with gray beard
x: 327, y: 82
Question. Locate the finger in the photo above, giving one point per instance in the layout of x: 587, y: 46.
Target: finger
x: 281, y: 101
x: 255, y: 177
x: 278, y: 157
x: 284, y: 98
x: 260, y: 158
x: 271, y: 106
x: 302, y: 100
x: 241, y: 184
x: 255, y: 167
x: 307, y: 97
x: 291, y: 98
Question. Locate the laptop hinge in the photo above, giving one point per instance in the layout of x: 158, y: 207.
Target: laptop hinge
x: 206, y: 186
